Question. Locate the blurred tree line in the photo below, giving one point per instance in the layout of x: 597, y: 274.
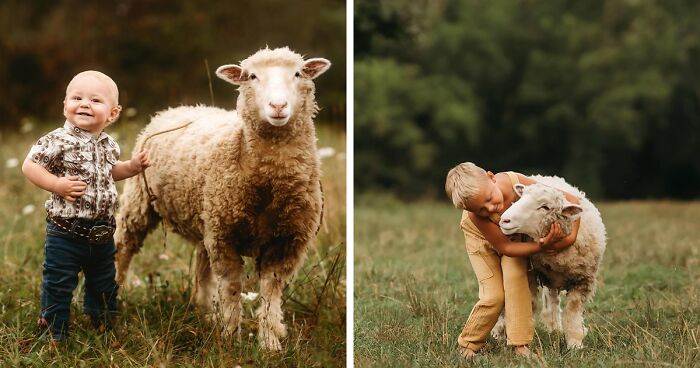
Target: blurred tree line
x: 157, y: 50
x: 603, y: 93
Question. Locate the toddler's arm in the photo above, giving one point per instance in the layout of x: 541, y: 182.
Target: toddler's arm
x: 68, y: 187
x: 126, y: 169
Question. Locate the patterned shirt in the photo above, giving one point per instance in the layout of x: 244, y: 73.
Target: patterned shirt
x: 71, y: 151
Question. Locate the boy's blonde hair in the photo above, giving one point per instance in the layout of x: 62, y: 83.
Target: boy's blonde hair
x: 114, y: 91
x: 463, y: 182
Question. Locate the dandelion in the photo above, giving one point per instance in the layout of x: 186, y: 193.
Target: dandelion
x: 163, y: 257
x: 12, y: 163
x: 249, y: 297
x: 28, y: 209
x: 26, y: 126
x: 324, y: 152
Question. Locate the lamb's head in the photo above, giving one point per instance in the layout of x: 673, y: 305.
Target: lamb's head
x: 537, y: 209
x: 275, y: 85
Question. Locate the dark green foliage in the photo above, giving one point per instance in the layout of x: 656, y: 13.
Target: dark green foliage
x: 156, y: 50
x: 604, y: 93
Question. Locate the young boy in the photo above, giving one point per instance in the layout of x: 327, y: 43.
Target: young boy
x: 500, y: 264
x: 78, y: 163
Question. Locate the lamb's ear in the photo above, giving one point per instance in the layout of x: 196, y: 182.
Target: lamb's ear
x: 315, y: 67
x: 230, y: 73
x: 571, y: 210
x: 518, y: 188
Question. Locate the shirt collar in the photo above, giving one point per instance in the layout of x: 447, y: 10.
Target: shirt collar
x: 82, y: 134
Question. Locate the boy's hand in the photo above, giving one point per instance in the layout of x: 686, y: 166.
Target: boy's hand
x: 69, y: 187
x: 551, y: 238
x: 139, y: 162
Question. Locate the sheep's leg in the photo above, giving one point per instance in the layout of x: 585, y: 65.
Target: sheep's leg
x: 498, y: 331
x: 574, y: 330
x: 228, y: 267
x: 205, y: 286
x: 551, y: 311
x: 136, y: 218
x: 534, y: 292
x: 274, y: 274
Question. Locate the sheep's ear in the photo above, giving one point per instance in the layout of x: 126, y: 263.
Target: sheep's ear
x: 571, y: 210
x: 518, y: 188
x: 230, y: 73
x: 315, y: 67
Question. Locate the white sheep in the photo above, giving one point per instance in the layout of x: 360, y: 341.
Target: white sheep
x: 573, y: 269
x: 235, y: 183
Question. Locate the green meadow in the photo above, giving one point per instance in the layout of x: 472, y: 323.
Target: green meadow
x: 414, y: 289
x: 163, y: 329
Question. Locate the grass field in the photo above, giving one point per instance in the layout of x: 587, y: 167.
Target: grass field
x: 163, y: 329
x: 414, y: 289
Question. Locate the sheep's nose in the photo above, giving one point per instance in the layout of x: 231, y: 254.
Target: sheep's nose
x: 278, y: 106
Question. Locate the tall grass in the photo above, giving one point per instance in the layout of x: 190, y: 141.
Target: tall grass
x: 414, y: 289
x: 163, y: 329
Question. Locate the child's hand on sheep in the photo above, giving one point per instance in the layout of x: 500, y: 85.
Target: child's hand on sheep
x: 127, y: 169
x: 139, y: 162
x: 554, y: 235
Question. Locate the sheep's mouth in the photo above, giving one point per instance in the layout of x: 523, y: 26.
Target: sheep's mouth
x: 278, y: 120
x: 509, y: 230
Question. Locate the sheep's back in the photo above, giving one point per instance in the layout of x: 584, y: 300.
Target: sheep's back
x: 182, y: 160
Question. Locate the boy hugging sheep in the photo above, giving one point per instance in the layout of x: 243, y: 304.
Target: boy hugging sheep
x: 78, y: 163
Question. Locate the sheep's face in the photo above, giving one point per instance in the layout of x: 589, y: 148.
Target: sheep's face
x: 537, y: 209
x: 275, y: 82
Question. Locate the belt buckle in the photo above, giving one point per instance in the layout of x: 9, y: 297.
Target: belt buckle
x: 100, y: 234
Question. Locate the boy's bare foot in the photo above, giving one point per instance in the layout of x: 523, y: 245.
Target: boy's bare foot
x: 467, y: 353
x: 522, y: 350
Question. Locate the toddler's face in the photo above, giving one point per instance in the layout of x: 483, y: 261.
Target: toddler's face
x: 89, y: 104
x: 489, y: 200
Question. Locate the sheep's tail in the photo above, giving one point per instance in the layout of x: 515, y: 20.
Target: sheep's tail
x: 152, y: 197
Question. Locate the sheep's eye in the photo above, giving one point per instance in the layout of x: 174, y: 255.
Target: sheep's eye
x: 544, y: 207
x: 297, y: 74
x: 253, y: 76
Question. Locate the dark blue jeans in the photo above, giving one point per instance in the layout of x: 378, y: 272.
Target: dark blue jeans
x: 65, y: 257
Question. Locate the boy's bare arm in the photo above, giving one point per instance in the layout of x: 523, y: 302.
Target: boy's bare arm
x: 126, y: 169
x: 503, y: 244
x: 68, y: 187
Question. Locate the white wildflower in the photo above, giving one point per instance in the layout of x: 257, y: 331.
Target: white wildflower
x: 12, y: 163
x: 164, y: 257
x: 249, y: 297
x: 324, y: 152
x: 28, y: 209
x: 137, y: 282
x: 26, y: 126
x: 131, y: 112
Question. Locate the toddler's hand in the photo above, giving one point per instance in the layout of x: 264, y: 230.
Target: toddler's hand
x: 140, y: 162
x: 69, y: 187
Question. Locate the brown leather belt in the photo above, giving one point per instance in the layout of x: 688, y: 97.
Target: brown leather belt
x: 94, y: 234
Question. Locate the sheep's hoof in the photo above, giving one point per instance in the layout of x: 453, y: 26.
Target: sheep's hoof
x: 574, y: 344
x: 269, y: 342
x: 498, y: 333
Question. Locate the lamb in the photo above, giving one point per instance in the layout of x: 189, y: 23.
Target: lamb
x: 235, y: 183
x: 573, y: 269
